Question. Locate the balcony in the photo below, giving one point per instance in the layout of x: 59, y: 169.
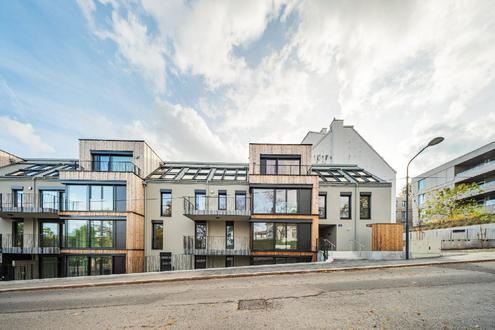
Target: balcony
x: 475, y: 171
x: 217, y: 207
x: 29, y: 244
x: 290, y: 170
x: 107, y: 166
x: 216, y: 246
x: 27, y: 204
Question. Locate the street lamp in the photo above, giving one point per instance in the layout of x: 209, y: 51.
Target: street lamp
x: 433, y: 142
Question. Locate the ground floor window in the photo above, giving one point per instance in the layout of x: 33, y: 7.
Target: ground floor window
x: 278, y: 260
x: 49, y: 266
x: 83, y: 265
x: 229, y: 261
x: 268, y: 236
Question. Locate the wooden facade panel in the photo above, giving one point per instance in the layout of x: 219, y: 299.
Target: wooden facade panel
x: 387, y: 237
x: 135, y: 231
x: 135, y: 262
x: 258, y: 149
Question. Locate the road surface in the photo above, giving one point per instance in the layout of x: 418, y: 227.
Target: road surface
x: 447, y: 297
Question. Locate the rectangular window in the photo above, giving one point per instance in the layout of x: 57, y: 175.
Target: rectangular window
x: 77, y: 196
x: 50, y: 234
x: 262, y: 236
x: 229, y: 261
x: 421, y: 199
x: 120, y: 198
x: 17, y: 233
x: 200, y: 200
x: 345, y: 206
x: 421, y: 184
x: 292, y: 206
x: 200, y: 235
x: 166, y: 203
x: 18, y: 197
x: 322, y: 206
x: 240, y: 201
x: 229, y: 235
x: 199, y: 262
x: 51, y: 199
x: 365, y: 206
x: 263, y: 201
x: 77, y: 266
x: 269, y: 236
x: 101, y: 234
x: 113, y: 162
x: 157, y: 235
x: 222, y: 200
x: 101, y: 265
x: 101, y: 198
x: 77, y: 234
x: 280, y: 165
x: 286, y: 201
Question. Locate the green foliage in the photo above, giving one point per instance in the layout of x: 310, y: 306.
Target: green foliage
x: 453, y: 203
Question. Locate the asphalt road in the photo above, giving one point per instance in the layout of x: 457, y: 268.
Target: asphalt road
x: 447, y: 297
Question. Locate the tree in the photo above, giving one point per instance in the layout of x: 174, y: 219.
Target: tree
x: 453, y: 203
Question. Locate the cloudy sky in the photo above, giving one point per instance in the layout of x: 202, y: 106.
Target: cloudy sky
x: 201, y: 79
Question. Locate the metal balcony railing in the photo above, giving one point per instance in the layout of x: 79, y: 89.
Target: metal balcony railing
x: 199, y: 205
x: 29, y: 203
x: 30, y: 244
x: 281, y: 169
x: 476, y: 169
x: 106, y: 166
x: 216, y: 245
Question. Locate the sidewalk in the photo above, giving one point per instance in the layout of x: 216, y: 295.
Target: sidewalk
x: 247, y: 271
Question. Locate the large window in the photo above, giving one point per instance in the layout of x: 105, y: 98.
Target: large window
x: 345, y: 205
x: 77, y: 266
x: 322, y: 206
x: 262, y: 236
x: 365, y: 206
x: 96, y: 198
x: 51, y: 199
x: 166, y: 203
x: 157, y: 235
x: 101, y: 198
x: 50, y: 234
x: 101, y: 265
x: 83, y: 265
x: 280, y: 165
x: 77, y: 233
x: 18, y: 198
x: 102, y: 234
x: 269, y: 236
x: 281, y: 201
x: 112, y: 162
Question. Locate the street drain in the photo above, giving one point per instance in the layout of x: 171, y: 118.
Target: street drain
x: 254, y: 304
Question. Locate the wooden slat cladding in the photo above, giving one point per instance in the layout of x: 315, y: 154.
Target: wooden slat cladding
x: 387, y: 237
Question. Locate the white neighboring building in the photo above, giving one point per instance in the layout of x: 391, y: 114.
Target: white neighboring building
x: 342, y: 144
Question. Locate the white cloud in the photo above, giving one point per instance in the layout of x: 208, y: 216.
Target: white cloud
x: 23, y: 135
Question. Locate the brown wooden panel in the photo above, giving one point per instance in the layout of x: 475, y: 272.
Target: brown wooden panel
x: 387, y: 237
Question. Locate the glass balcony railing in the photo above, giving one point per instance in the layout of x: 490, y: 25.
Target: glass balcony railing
x: 476, y: 169
x: 107, y: 166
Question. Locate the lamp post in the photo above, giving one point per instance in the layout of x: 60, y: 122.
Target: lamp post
x: 433, y: 142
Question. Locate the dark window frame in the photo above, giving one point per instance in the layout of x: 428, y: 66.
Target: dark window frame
x: 162, y: 194
x: 232, y: 262
x: 276, y: 158
x: 229, y: 224
x: 240, y: 193
x: 15, y: 197
x: 202, y: 242
x: 274, y: 200
x: 154, y: 224
x: 223, y: 195
x: 325, y: 211
x: 367, y: 195
x: 87, y: 207
x: 16, y: 236
x: 198, y: 193
x: 349, y: 196
x: 274, y: 238
x: 89, y: 243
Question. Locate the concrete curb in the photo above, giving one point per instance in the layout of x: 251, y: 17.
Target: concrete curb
x: 240, y: 275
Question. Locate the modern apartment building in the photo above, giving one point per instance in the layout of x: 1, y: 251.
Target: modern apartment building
x: 119, y: 208
x: 342, y: 144
x: 75, y: 217
x: 477, y: 166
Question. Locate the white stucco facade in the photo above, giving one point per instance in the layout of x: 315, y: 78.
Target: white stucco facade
x: 341, y: 144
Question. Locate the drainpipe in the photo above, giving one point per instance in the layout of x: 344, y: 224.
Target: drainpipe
x: 356, y: 201
x: 144, y: 235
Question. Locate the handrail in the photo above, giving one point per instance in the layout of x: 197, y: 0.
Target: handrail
x: 298, y: 169
x: 106, y: 166
x: 217, y: 205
